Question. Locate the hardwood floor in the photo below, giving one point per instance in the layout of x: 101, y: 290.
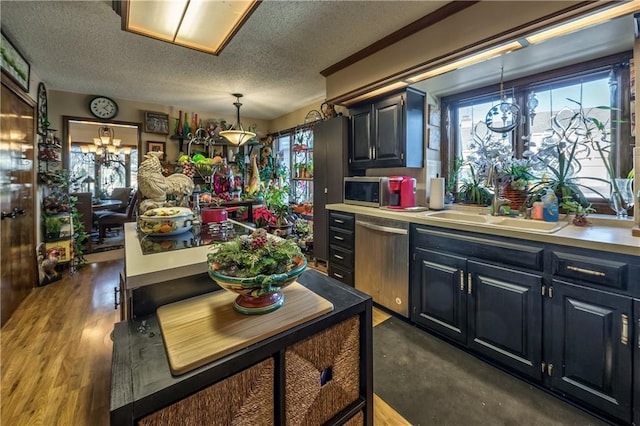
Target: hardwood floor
x: 56, y: 353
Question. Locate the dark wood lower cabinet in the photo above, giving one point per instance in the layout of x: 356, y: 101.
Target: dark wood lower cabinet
x: 493, y: 310
x: 562, y: 317
x: 591, y: 347
x: 439, y: 298
x: 636, y: 361
x: 504, y: 316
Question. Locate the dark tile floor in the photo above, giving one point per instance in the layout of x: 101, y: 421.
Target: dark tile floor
x: 431, y: 382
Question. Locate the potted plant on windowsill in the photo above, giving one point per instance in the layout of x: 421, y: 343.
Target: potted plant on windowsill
x: 578, y: 211
x: 515, y: 182
x: 452, y: 181
x: 473, y: 190
x: 575, y: 135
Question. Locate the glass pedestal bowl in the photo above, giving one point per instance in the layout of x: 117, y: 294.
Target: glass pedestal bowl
x: 260, y: 294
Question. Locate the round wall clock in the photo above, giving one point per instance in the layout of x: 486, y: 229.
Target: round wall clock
x: 43, y: 122
x: 103, y: 107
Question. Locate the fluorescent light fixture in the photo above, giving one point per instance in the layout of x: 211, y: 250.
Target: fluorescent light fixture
x: 203, y: 25
x: 586, y: 21
x: 380, y: 91
x: 482, y: 56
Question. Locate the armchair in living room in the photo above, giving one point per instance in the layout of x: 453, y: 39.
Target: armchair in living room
x: 123, y: 195
x: 115, y: 219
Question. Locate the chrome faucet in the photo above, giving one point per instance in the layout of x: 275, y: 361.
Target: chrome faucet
x: 497, y: 202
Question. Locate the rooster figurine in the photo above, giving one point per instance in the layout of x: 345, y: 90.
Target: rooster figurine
x: 155, y: 187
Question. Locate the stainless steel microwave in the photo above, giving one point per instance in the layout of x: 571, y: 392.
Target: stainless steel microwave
x: 366, y: 191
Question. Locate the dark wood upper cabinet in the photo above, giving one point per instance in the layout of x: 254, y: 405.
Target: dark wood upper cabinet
x: 388, y: 131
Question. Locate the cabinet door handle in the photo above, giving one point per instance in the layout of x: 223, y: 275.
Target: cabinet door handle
x: 337, y: 256
x: 339, y: 238
x: 544, y: 288
x: 550, y: 369
x: 624, y: 335
x: 551, y: 292
x: 338, y: 220
x: 338, y: 275
x: 461, y: 280
x: 116, y: 301
x: 586, y: 271
x: 469, y: 284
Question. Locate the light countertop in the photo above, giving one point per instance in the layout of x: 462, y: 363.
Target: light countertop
x: 145, y: 269
x: 608, y: 234
x: 605, y: 233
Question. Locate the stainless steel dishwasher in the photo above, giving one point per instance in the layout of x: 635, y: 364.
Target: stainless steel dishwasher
x: 382, y: 261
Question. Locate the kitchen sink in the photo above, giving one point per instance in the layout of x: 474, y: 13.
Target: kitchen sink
x: 502, y: 222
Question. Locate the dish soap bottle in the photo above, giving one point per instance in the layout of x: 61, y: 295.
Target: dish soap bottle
x: 550, y: 206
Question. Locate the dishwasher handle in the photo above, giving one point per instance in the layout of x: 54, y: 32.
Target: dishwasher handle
x: 387, y: 229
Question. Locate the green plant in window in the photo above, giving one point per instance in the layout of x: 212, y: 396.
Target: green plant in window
x: 453, y: 175
x: 517, y: 174
x: 473, y: 190
x: 575, y: 136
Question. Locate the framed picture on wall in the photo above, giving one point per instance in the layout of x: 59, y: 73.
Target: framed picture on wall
x: 433, y: 136
x: 433, y: 113
x: 14, y: 64
x: 154, y: 146
x: 156, y: 122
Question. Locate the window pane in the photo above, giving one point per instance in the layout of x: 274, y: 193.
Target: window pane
x: 589, y: 94
x: 283, y: 144
x: 479, y: 146
x: 83, y: 168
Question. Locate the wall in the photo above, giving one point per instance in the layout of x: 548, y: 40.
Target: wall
x: 297, y: 117
x: 457, y: 35
x: 77, y: 105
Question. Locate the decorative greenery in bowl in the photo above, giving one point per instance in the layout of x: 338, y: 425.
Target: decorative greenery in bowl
x: 257, y: 267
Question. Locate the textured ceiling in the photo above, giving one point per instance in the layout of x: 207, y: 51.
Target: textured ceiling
x: 274, y: 60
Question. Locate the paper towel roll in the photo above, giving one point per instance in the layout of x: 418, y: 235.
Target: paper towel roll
x: 436, y: 197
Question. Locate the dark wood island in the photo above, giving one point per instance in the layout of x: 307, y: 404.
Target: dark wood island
x: 318, y: 372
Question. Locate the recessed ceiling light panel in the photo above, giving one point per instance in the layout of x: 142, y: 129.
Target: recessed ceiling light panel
x: 203, y: 25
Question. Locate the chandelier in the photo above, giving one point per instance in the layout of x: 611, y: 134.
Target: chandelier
x: 106, y: 147
x: 236, y: 134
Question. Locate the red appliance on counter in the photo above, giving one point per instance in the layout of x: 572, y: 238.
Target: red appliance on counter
x: 402, y: 191
x: 213, y: 215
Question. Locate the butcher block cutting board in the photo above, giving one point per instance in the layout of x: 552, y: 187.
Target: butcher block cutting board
x: 203, y: 329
